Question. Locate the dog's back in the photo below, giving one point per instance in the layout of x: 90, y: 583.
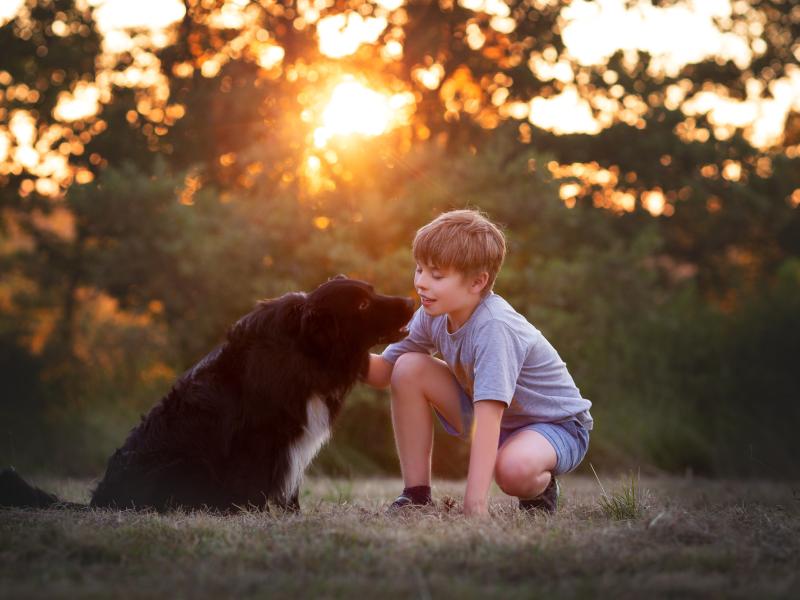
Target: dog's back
x: 185, y: 449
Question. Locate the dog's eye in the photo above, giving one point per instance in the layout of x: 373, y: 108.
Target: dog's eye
x: 364, y: 305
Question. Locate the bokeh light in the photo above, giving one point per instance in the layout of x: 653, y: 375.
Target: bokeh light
x: 341, y: 35
x: 355, y: 109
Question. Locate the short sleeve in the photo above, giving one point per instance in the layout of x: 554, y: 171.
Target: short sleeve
x: 499, y: 357
x: 417, y: 340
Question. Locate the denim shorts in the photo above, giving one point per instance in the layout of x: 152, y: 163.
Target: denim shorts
x: 569, y: 439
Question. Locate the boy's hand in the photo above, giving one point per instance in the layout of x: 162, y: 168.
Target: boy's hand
x: 477, y: 508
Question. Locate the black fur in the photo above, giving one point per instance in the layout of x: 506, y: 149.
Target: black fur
x: 220, y: 438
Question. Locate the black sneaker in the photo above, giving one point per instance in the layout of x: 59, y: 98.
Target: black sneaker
x: 547, y: 501
x: 403, y: 502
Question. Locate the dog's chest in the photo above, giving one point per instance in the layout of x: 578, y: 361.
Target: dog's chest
x: 315, y: 433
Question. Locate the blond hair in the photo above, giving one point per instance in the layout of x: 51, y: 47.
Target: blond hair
x: 464, y: 240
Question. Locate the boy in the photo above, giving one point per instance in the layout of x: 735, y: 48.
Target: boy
x: 500, y: 382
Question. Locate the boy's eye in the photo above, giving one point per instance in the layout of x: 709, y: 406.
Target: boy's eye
x: 434, y: 274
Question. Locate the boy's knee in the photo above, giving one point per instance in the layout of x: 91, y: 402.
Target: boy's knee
x: 408, y: 367
x: 517, y: 477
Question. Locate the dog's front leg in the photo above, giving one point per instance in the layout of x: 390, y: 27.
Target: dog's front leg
x: 293, y: 505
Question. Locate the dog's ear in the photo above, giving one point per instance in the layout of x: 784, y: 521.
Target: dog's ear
x: 319, y: 330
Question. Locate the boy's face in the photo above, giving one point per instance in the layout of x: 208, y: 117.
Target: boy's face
x: 444, y: 290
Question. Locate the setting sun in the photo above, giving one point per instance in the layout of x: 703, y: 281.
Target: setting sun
x: 354, y: 108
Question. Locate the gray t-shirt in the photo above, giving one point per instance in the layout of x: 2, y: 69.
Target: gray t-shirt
x: 498, y: 355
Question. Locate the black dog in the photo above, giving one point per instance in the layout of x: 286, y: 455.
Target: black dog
x: 240, y: 427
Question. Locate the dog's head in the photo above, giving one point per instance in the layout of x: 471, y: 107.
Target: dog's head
x: 347, y: 313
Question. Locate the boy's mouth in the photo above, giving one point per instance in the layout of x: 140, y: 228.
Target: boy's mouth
x: 426, y: 301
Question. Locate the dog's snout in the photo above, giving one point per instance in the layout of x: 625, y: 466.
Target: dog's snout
x: 396, y: 303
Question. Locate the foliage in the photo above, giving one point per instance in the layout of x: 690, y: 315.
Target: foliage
x: 187, y: 200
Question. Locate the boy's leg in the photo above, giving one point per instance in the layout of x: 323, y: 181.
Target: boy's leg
x: 419, y: 382
x: 524, y: 464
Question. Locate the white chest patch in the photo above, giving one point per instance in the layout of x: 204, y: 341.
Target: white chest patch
x: 305, y: 448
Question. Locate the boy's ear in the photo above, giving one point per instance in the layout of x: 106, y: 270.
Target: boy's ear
x: 479, y: 281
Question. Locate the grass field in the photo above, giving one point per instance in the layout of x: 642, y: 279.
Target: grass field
x: 692, y: 538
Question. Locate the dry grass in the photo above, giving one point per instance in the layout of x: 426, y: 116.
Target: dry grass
x: 692, y: 538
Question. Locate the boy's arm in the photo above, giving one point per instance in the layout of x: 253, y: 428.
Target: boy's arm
x: 380, y: 371
x: 482, y: 456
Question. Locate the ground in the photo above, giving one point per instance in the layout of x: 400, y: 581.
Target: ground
x: 692, y: 538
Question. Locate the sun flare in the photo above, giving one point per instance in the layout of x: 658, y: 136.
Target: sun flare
x: 355, y: 109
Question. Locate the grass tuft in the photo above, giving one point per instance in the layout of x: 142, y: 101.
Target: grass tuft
x: 628, y: 502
